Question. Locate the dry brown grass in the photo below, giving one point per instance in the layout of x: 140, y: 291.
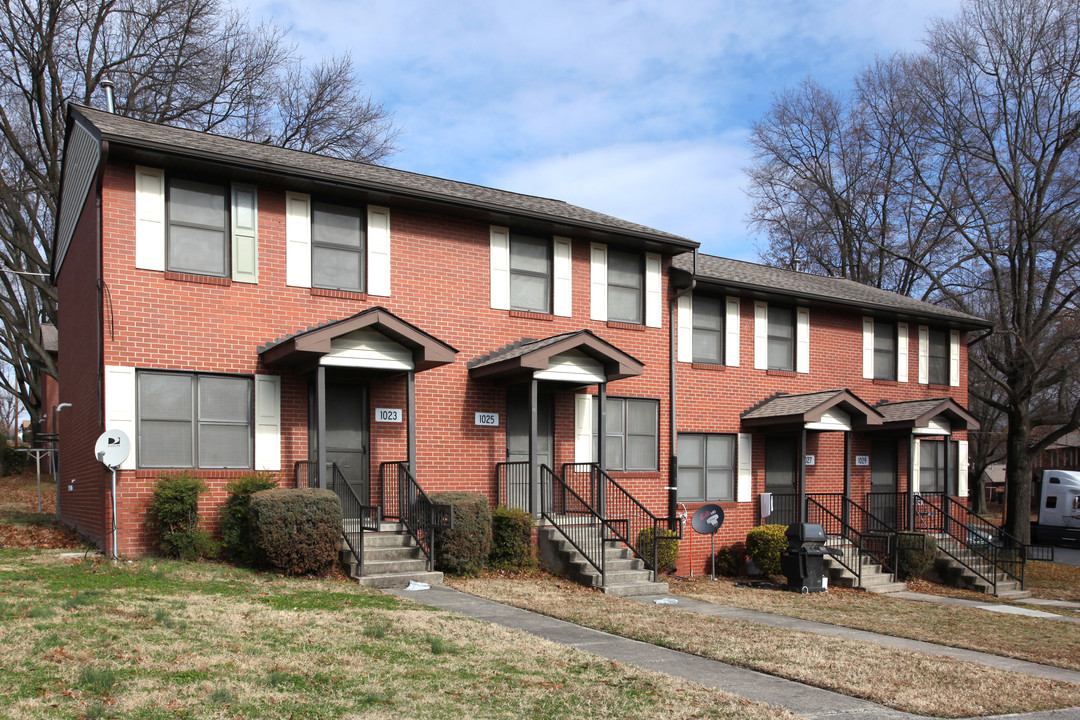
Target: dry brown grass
x: 21, y: 526
x: 905, y: 680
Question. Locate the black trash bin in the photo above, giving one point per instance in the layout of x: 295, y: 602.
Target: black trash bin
x: 803, y: 563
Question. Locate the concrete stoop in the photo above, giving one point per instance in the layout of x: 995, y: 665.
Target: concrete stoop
x: 626, y: 575
x: 964, y: 575
x: 874, y: 578
x: 391, y: 560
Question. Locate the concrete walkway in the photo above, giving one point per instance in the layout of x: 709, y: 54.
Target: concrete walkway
x: 998, y: 607
x: 809, y: 702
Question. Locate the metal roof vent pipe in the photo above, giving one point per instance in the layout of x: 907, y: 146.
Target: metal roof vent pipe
x: 110, y: 100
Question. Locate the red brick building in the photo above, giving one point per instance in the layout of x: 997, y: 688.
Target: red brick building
x: 235, y: 307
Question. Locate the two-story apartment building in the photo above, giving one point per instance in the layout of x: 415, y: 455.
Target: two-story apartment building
x: 233, y: 307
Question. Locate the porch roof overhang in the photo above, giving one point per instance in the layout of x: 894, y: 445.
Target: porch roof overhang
x: 916, y: 414
x: 811, y: 408
x: 307, y: 347
x: 525, y: 358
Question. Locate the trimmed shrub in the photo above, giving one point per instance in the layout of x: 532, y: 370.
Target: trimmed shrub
x: 763, y: 546
x: 174, y: 516
x: 915, y: 554
x: 464, y: 549
x: 729, y: 560
x: 235, y: 534
x: 667, y: 551
x: 511, y: 539
x: 296, y: 530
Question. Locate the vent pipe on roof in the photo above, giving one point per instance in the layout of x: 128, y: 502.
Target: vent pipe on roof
x: 110, y: 101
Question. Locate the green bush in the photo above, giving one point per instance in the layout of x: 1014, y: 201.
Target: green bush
x: 915, y: 554
x: 667, y: 551
x: 234, y: 515
x: 463, y: 549
x: 12, y: 462
x: 296, y: 530
x: 763, y: 546
x: 174, y: 516
x: 511, y: 539
x: 729, y: 560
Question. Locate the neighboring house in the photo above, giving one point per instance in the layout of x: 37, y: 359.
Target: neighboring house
x: 235, y: 307
x: 1063, y: 454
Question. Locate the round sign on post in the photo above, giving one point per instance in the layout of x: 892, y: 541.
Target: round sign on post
x: 112, y: 448
x: 707, y: 520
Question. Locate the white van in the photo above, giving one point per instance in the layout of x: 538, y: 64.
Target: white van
x: 1059, y: 508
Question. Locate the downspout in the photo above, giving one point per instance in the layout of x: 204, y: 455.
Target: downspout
x: 673, y: 460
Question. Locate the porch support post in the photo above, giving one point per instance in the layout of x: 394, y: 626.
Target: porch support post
x: 910, y: 482
x: 410, y: 433
x: 534, y: 471
x: 320, y: 429
x: 601, y: 447
x: 847, y: 478
x: 802, y: 477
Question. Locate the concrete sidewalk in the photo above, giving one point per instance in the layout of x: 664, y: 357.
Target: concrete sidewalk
x: 809, y: 702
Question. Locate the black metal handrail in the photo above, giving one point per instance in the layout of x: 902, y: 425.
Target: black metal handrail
x: 405, y: 501
x: 785, y: 509
x: 302, y: 473
x: 512, y: 485
x: 845, y: 523
x: 970, y: 539
x: 574, y: 517
x: 357, y: 517
x: 633, y: 524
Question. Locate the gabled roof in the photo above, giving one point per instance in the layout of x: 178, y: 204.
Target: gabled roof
x: 919, y: 413
x: 809, y: 407
x: 307, y: 346
x: 817, y: 289
x: 180, y: 142
x: 524, y: 357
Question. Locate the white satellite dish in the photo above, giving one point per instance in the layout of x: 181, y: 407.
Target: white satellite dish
x: 112, y: 448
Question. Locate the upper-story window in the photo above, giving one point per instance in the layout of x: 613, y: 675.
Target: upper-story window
x: 337, y: 247
x: 884, y: 350
x: 937, y: 368
x: 781, y: 338
x: 530, y: 273
x: 198, y: 228
x: 626, y: 287
x: 708, y: 329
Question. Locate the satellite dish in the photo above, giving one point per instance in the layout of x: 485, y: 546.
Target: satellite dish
x: 708, y: 519
x: 112, y: 448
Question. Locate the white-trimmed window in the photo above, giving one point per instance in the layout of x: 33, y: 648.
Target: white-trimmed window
x: 932, y: 467
x: 706, y: 467
x: 190, y: 420
x: 530, y: 273
x: 337, y: 247
x: 708, y: 330
x: 625, y: 286
x: 885, y: 350
x: 198, y: 229
x: 781, y: 337
x: 632, y: 440
x: 939, y: 356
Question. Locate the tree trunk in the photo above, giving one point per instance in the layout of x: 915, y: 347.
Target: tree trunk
x: 977, y: 491
x: 1018, y: 475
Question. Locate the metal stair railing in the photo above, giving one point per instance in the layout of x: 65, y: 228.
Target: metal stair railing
x: 631, y: 523
x: 969, y: 538
x: 842, y: 519
x: 785, y: 509
x: 574, y: 517
x: 512, y: 485
x: 405, y: 501
x: 356, y: 517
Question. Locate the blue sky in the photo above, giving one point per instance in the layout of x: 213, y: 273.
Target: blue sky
x: 637, y: 109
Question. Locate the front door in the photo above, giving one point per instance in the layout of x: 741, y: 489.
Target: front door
x: 781, y: 476
x: 517, y: 439
x: 347, y: 435
x: 882, y: 503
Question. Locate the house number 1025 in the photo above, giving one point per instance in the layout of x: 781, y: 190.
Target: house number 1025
x: 491, y: 419
x: 388, y: 415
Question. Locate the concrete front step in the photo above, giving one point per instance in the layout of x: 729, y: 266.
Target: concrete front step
x: 391, y: 560
x: 625, y: 575
x: 874, y: 579
x: 399, y: 580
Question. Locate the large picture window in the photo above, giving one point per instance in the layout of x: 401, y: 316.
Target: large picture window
x: 625, y: 287
x: 708, y: 330
x: 530, y: 274
x: 632, y: 438
x: 198, y: 237
x: 706, y: 467
x: 337, y: 247
x: 187, y: 421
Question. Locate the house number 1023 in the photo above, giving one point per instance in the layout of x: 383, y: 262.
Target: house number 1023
x: 388, y: 415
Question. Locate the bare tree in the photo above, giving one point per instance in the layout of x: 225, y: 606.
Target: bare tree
x: 193, y: 63
x: 986, y: 123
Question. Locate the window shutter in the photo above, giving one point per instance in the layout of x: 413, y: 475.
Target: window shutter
x: 598, y: 281
x: 868, y: 348
x: 954, y: 358
x: 149, y: 218
x: 654, y: 297
x: 583, y: 428
x: 500, y: 268
x: 378, y: 251
x: 962, y: 468
x: 802, y: 340
x: 761, y: 335
x: 267, y: 422
x: 916, y: 460
x: 245, y: 243
x: 563, y: 278
x: 924, y: 354
x: 731, y: 332
x: 901, y: 352
x: 120, y: 407
x: 684, y: 321
x: 745, y: 468
x: 297, y: 239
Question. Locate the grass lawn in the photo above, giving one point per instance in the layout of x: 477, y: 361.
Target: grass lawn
x: 905, y: 680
